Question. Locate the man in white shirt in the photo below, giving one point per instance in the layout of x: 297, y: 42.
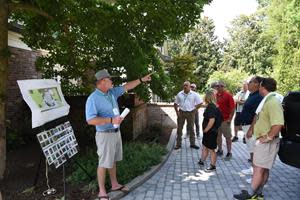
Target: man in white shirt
x: 186, y: 104
x: 240, y: 98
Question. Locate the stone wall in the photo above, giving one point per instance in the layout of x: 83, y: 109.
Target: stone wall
x: 135, y: 123
x: 159, y: 114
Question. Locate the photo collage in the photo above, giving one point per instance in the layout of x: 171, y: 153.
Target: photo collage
x: 58, y: 144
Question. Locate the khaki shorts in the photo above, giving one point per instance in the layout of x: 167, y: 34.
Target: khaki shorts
x: 264, y: 154
x: 249, y: 142
x: 109, y: 148
x: 225, y: 129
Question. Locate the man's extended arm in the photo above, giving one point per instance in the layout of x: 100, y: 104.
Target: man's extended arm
x: 132, y: 84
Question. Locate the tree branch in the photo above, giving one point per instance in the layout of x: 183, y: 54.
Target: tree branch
x: 28, y: 7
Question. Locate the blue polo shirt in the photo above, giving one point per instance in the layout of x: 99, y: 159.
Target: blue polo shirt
x: 249, y: 108
x: 101, y: 104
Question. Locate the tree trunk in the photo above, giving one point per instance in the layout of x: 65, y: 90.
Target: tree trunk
x: 3, y: 80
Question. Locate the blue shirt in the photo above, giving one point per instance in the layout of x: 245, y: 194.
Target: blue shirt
x: 249, y: 108
x: 101, y: 104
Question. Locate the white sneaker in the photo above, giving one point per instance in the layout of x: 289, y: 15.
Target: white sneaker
x: 248, y: 171
x: 249, y: 180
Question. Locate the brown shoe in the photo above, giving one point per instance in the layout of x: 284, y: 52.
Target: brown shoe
x: 177, y: 147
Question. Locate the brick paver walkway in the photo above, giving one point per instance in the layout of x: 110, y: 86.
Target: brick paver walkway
x: 181, y: 178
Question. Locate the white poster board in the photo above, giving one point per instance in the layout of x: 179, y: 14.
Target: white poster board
x: 45, y: 99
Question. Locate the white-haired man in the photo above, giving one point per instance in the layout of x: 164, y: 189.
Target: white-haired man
x: 102, y: 111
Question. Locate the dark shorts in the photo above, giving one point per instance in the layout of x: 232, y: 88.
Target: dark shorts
x: 237, y: 119
x: 209, y: 139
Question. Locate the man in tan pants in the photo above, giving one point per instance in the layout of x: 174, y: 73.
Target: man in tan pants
x: 186, y: 104
x: 268, y: 124
x: 226, y: 104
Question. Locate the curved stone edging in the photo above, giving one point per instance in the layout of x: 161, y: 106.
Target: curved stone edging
x: 136, y: 182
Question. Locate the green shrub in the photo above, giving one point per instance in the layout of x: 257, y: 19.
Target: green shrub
x: 232, y: 78
x: 137, y: 158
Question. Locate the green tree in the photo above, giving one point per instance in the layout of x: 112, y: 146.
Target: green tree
x: 284, y: 27
x: 205, y: 47
x: 232, y: 78
x: 181, y: 69
x: 83, y: 35
x: 248, y: 48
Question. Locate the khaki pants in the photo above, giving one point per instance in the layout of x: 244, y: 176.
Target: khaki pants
x: 225, y: 130
x: 190, y: 118
x: 249, y: 142
x: 109, y: 148
x: 264, y: 155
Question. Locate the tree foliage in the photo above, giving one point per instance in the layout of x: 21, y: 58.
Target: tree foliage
x: 232, y: 78
x: 84, y: 36
x: 204, y: 46
x: 284, y: 27
x: 248, y: 48
x: 181, y: 69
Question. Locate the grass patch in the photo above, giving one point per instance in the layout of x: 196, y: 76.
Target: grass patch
x: 137, y: 158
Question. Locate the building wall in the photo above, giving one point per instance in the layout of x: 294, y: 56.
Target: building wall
x: 14, y: 40
x: 21, y: 66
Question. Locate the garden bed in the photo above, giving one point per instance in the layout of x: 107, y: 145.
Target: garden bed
x: 22, y: 168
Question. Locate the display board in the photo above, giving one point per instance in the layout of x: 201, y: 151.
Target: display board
x: 58, y: 144
x: 45, y: 99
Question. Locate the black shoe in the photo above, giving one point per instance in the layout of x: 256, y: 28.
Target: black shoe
x: 210, y: 169
x: 194, y: 146
x: 244, y: 140
x: 220, y: 153
x: 244, y: 195
x: 250, y: 160
x: 234, y: 139
x: 198, y: 134
x: 200, y: 162
x: 260, y: 196
x: 228, y: 156
x: 177, y: 147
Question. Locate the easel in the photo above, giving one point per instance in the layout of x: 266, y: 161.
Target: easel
x: 51, y: 191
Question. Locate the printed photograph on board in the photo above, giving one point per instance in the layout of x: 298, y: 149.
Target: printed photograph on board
x: 46, y: 98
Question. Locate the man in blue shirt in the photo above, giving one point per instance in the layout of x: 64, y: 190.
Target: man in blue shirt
x: 247, y: 116
x: 102, y: 111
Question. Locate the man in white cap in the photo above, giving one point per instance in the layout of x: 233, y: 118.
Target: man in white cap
x: 102, y: 111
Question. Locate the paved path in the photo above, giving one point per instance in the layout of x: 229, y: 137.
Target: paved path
x: 181, y: 178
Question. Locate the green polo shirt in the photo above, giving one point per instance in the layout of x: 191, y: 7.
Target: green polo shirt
x: 270, y: 115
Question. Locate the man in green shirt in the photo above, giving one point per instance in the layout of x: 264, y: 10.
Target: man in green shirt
x: 269, y: 122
